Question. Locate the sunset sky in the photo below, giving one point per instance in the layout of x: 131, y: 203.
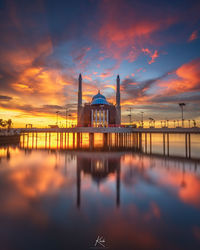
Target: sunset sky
x: 153, y: 45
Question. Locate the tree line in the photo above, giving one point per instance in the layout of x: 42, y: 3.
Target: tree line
x: 6, y: 123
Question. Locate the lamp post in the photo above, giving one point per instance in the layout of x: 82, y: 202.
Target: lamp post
x: 150, y: 121
x: 66, y: 115
x: 174, y: 123
x: 129, y: 119
x: 57, y: 117
x: 142, y: 123
x: 69, y: 107
x: 181, y: 106
x: 130, y: 115
x: 189, y: 123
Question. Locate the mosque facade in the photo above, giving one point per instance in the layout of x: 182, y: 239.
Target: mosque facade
x: 99, y: 112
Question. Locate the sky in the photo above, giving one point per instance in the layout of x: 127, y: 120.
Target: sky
x: 153, y: 45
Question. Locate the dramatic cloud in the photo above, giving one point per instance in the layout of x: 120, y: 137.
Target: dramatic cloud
x: 44, y: 46
x: 138, y: 90
x: 187, y: 79
x: 180, y: 85
x: 125, y: 28
x: 5, y: 98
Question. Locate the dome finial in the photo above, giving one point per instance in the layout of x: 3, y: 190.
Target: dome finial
x: 98, y: 91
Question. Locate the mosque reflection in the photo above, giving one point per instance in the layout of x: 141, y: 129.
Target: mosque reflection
x: 99, y: 166
x: 122, y: 169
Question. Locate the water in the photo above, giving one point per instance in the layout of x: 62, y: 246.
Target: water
x: 57, y: 198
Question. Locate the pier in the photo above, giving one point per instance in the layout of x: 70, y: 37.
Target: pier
x: 194, y: 130
x: 114, y: 138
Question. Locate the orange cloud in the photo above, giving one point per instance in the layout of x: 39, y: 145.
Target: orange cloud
x: 153, y: 55
x: 38, y: 84
x: 21, y: 58
x: 193, y: 36
x: 85, y: 77
x: 105, y: 75
x: 112, y: 34
x: 110, y: 86
x: 187, y: 79
x: 122, y: 37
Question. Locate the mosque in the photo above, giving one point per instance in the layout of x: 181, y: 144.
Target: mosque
x: 99, y: 112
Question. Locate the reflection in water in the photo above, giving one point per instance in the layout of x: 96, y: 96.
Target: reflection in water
x: 57, y: 198
x: 99, y: 166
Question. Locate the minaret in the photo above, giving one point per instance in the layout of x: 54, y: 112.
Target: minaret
x: 79, y: 99
x: 118, y: 92
x: 118, y: 107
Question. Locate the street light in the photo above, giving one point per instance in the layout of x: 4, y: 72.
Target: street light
x: 69, y: 115
x: 142, y: 119
x: 57, y: 117
x: 66, y: 115
x: 130, y: 109
x: 67, y: 108
x: 181, y: 106
x: 150, y: 121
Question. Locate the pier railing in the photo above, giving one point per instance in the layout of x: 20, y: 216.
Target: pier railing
x: 110, y: 130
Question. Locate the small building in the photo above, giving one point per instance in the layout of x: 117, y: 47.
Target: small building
x: 99, y: 112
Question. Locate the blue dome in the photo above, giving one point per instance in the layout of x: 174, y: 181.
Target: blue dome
x: 98, y: 96
x: 99, y: 99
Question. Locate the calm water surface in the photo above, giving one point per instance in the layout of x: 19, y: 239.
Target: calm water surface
x: 52, y: 198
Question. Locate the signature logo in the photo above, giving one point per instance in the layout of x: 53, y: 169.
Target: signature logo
x: 100, y: 242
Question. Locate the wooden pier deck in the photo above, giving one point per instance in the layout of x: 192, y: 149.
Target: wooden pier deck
x: 110, y: 130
